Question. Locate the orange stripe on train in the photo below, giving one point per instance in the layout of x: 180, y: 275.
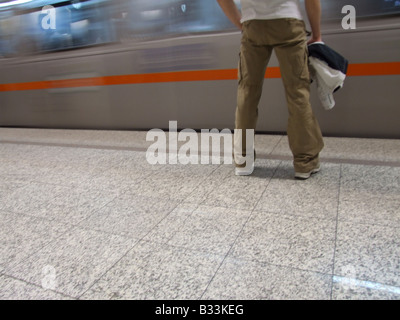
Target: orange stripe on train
x: 362, y: 69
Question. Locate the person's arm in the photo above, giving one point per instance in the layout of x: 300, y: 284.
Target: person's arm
x: 231, y: 11
x: 313, y: 9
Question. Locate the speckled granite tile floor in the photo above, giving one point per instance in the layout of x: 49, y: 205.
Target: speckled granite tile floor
x: 83, y: 215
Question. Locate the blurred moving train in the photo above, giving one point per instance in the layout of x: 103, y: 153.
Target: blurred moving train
x: 138, y: 64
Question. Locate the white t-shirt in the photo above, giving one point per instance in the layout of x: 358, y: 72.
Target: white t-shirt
x: 270, y: 9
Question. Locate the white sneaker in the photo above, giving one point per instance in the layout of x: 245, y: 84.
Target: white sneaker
x: 306, y: 175
x: 244, y: 171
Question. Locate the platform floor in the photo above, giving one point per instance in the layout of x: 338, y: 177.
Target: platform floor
x: 83, y: 215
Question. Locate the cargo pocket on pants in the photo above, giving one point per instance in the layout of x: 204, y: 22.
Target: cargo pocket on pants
x: 304, y: 73
x: 240, y: 72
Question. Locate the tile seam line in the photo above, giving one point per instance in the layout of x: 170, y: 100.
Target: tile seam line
x: 137, y: 243
x: 259, y: 155
x: 336, y: 232
x: 276, y: 145
x: 37, y: 286
x: 237, y: 237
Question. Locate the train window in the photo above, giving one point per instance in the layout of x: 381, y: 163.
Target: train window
x: 29, y: 26
x: 154, y: 18
x: 332, y: 9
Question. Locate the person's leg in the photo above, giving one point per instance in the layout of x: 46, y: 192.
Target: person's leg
x: 304, y: 134
x: 254, y: 57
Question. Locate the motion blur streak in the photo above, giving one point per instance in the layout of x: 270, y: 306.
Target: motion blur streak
x: 362, y: 69
x: 138, y: 64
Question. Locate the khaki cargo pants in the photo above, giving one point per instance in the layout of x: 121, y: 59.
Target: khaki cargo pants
x: 288, y: 38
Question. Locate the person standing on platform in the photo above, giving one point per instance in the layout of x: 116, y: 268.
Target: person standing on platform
x: 277, y: 25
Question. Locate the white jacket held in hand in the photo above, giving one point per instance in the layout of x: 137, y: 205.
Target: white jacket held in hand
x: 328, y: 70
